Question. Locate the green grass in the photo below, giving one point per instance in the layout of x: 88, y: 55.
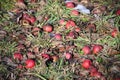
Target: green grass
x: 6, y: 5
x: 7, y: 48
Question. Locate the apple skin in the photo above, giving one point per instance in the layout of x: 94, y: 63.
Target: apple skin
x: 114, y: 33
x: 18, y: 56
x: 32, y: 19
x: 58, y: 36
x: 29, y: 63
x: 86, y: 64
x: 70, y: 5
x: 62, y: 22
x: 96, y: 48
x: 48, y: 28
x: 68, y: 56
x: 69, y: 24
x: 86, y: 50
x: 118, y: 12
x: 75, y: 12
x: 45, y: 56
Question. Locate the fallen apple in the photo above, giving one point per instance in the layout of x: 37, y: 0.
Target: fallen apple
x: 75, y: 12
x: 45, y: 56
x: 77, y: 29
x: 68, y: 56
x: 70, y: 5
x: 48, y: 28
x: 86, y: 64
x: 114, y: 33
x: 118, y: 12
x: 62, y: 22
x: 86, y: 50
x: 35, y: 30
x: 97, y: 48
x: 18, y: 56
x: 32, y: 19
x: 71, y: 35
x: 58, y: 36
x: 29, y: 63
x: 70, y: 23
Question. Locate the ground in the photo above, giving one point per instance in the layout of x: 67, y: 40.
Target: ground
x: 51, y: 40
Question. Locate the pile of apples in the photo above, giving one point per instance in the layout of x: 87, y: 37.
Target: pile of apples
x: 89, y: 49
x: 87, y: 64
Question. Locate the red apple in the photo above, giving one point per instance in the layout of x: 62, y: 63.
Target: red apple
x: 71, y: 35
x: 70, y: 23
x: 114, y: 33
x: 35, y: 30
x: 25, y: 16
x: 118, y: 12
x: 62, y: 22
x: 86, y: 50
x: 48, y: 28
x: 86, y: 64
x: 97, y: 48
x: 91, y: 27
x: 93, y: 71
x: 29, y: 63
x: 70, y: 5
x: 77, y: 29
x: 32, y: 19
x: 18, y: 56
x: 58, y: 36
x: 20, y: 66
x: 75, y: 12
x: 98, y: 74
x: 68, y: 56
x: 45, y: 56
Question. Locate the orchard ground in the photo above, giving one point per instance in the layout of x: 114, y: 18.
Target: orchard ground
x: 59, y: 40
